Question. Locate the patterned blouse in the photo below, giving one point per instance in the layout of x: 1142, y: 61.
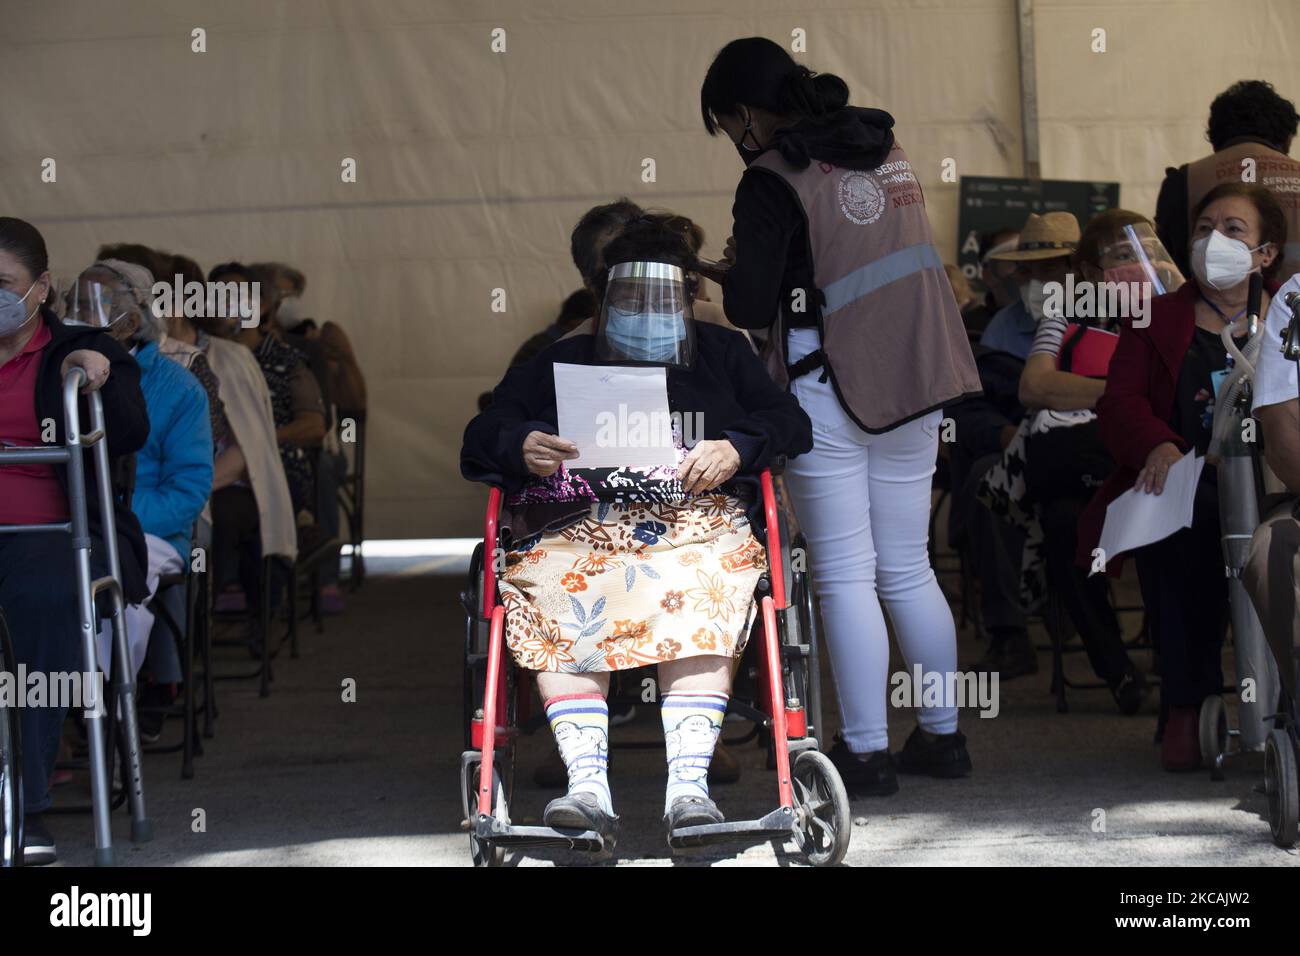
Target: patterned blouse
x: 293, y: 390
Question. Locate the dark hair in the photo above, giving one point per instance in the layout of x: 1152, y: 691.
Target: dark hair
x: 24, y: 242
x: 595, y: 228
x: 990, y: 239
x: 158, y: 263
x: 578, y: 306
x: 1272, y: 221
x: 758, y: 72
x: 1102, y: 228
x: 229, y: 268
x: 646, y: 239
x: 187, y: 269
x: 1251, y: 108
x: 690, y: 230
x: 278, y: 271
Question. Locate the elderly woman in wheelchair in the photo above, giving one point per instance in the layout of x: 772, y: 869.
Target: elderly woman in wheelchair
x: 610, y: 569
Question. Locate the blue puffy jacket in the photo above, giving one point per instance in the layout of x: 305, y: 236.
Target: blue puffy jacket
x: 173, y: 472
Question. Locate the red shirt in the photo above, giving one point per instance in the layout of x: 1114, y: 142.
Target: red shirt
x: 29, y: 494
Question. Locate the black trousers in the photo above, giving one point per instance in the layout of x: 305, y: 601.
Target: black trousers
x: 237, y: 547
x: 38, y: 592
x: 993, y: 544
x: 1186, y: 596
x: 1085, y: 599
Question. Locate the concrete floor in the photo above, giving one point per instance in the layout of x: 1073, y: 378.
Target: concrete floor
x: 303, y: 778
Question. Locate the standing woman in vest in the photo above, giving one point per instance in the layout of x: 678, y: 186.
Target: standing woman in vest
x: 832, y: 253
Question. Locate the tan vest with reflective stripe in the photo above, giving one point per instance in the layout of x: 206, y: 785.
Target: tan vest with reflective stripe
x: 895, y: 344
x: 1276, y: 172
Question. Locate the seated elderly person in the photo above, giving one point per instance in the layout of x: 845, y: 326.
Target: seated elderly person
x: 173, y: 471
x: 38, y: 588
x: 615, y: 568
x: 1158, y: 407
x: 1120, y: 264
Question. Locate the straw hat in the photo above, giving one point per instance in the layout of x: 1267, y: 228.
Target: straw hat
x: 1049, y: 236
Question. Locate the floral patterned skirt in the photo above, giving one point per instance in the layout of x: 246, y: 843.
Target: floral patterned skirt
x: 631, y: 585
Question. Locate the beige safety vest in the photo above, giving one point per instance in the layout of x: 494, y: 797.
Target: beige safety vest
x: 1276, y: 172
x: 893, y: 336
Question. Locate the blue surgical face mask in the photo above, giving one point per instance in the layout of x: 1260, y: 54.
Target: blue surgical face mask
x: 13, y: 311
x: 645, y: 336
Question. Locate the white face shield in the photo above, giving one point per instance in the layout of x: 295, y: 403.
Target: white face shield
x: 1138, y: 256
x: 646, y: 318
x: 100, y: 305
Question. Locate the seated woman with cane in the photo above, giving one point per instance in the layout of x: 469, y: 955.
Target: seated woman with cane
x: 611, y: 569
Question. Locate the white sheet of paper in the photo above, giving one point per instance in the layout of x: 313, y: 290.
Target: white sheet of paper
x: 616, y: 415
x: 1137, y: 518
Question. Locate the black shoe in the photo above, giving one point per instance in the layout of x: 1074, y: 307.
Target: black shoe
x: 1129, y: 690
x: 38, y: 844
x: 990, y: 662
x: 1011, y: 654
x: 867, y: 775
x: 692, y: 812
x: 940, y: 756
x: 580, y: 811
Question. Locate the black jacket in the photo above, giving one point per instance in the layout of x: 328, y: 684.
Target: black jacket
x: 126, y: 423
x: 979, y: 420
x: 727, y: 385
x: 768, y: 225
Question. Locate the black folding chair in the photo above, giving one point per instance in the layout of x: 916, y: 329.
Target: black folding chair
x: 352, y: 494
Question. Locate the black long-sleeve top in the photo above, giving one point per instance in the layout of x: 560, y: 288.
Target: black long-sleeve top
x: 126, y: 427
x: 771, y: 236
x: 727, y: 385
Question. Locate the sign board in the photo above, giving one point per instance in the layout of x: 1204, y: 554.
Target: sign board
x: 990, y: 203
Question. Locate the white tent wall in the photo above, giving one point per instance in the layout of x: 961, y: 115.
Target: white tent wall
x: 473, y: 165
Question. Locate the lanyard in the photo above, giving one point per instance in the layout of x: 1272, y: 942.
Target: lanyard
x: 1226, y: 320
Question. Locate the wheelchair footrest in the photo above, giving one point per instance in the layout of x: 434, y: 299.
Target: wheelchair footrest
x: 496, y: 833
x: 778, y: 823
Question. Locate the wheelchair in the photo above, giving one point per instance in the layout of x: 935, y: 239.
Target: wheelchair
x: 812, y: 805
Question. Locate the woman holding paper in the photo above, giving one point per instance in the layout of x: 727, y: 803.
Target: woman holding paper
x: 612, y: 567
x: 1157, y: 408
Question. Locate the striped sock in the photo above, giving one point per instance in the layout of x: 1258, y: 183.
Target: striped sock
x: 580, y: 723
x: 691, y: 726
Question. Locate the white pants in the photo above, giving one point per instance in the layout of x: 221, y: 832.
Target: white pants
x: 163, y: 559
x: 863, y: 502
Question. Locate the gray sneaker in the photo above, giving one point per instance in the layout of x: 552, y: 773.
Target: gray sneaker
x: 692, y: 812
x: 580, y: 811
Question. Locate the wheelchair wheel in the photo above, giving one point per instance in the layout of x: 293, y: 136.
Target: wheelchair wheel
x: 1282, y: 787
x: 11, y: 761
x: 1214, y: 734
x: 822, y: 806
x: 483, y: 854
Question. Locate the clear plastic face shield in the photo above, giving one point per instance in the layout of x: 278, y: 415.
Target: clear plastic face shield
x: 1138, y: 256
x: 100, y: 305
x: 646, y: 318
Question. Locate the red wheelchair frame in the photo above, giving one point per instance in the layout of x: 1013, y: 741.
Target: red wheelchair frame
x: 812, y: 804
